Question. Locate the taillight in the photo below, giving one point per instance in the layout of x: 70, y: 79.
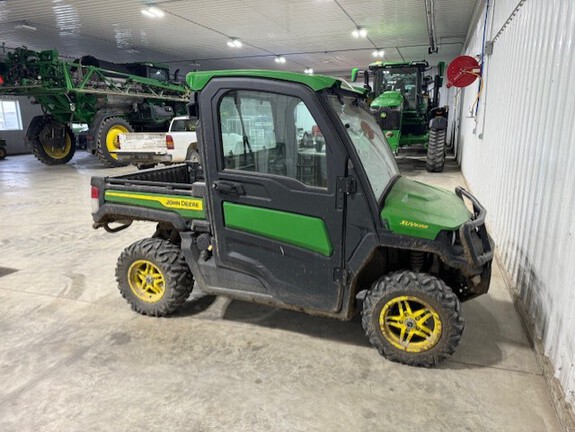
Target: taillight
x: 169, y: 142
x: 95, y: 199
x: 1, y: 80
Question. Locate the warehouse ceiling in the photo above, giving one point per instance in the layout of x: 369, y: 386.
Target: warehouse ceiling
x: 194, y: 34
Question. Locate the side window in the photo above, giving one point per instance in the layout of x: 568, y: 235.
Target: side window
x: 275, y: 134
x: 10, y: 118
x: 178, y: 126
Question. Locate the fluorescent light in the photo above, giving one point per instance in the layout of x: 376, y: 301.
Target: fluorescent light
x: 153, y: 12
x: 359, y: 32
x: 235, y: 43
x: 280, y: 59
x: 159, y: 13
x: 24, y: 25
x: 308, y: 71
x: 378, y: 53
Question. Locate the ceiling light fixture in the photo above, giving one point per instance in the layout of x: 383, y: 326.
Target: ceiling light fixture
x: 280, y: 59
x: 378, y: 53
x: 153, y: 12
x: 235, y: 43
x: 308, y: 71
x: 359, y: 32
x: 26, y: 26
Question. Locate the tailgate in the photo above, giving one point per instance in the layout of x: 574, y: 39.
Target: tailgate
x: 143, y: 142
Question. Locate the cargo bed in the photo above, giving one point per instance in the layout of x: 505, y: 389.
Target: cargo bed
x: 173, y: 195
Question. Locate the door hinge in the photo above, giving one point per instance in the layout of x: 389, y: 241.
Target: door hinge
x: 349, y: 185
x: 340, y: 275
x: 345, y: 186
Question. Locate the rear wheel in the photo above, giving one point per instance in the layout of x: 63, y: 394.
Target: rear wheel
x: 153, y: 277
x: 412, y: 318
x: 192, y: 154
x: 52, y: 142
x: 436, y: 150
x: 108, y: 140
x: 2, y: 153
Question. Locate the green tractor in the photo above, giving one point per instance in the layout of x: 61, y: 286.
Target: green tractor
x: 111, y: 98
x: 404, y: 110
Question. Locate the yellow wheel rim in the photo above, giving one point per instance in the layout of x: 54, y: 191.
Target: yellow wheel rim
x: 146, y: 281
x: 59, y: 152
x: 113, y: 139
x: 410, y: 324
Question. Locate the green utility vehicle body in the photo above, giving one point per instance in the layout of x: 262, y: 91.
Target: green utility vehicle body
x: 273, y: 221
x: 405, y: 111
x: 111, y: 98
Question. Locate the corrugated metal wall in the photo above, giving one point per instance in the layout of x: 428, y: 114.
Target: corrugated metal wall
x: 518, y: 156
x: 15, y: 139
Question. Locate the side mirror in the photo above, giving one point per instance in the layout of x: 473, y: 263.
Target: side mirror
x: 354, y: 73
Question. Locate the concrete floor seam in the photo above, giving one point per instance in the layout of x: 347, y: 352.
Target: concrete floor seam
x: 61, y: 298
x: 494, y: 367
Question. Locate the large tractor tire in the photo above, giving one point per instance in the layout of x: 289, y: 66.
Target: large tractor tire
x: 436, y: 150
x: 153, y: 277
x: 52, y: 142
x: 108, y: 140
x: 412, y: 318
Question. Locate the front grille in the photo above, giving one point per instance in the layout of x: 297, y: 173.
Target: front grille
x: 392, y: 120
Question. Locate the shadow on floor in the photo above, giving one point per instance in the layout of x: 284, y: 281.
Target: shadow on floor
x: 348, y: 332
x: 481, y: 344
x: 5, y: 271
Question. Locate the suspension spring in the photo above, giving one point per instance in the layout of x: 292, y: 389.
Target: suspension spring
x: 416, y: 260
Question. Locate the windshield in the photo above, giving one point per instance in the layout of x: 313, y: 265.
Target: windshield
x: 369, y: 142
x: 402, y: 80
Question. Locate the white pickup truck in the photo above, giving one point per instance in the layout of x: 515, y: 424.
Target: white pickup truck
x: 146, y: 149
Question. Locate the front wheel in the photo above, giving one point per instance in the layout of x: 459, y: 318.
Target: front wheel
x: 153, y: 277
x: 2, y: 153
x: 109, y: 140
x: 436, y: 150
x: 412, y: 318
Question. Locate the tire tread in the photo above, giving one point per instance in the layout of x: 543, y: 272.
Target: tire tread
x: 400, y: 282
x: 169, y: 258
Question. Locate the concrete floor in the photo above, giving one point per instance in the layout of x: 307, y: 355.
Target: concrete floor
x: 74, y: 357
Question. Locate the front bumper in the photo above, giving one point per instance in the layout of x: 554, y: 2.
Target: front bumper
x: 143, y: 157
x: 477, y: 244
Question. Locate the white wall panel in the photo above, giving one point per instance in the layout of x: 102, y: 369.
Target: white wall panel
x: 518, y: 156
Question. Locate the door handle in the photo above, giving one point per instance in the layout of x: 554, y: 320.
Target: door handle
x: 228, y: 187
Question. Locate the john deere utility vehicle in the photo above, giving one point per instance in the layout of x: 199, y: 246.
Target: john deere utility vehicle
x: 262, y: 216
x: 404, y: 109
x: 111, y: 98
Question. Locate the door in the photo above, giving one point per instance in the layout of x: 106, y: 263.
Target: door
x: 273, y: 164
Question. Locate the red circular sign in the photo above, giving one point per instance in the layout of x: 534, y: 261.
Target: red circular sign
x: 459, y: 71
